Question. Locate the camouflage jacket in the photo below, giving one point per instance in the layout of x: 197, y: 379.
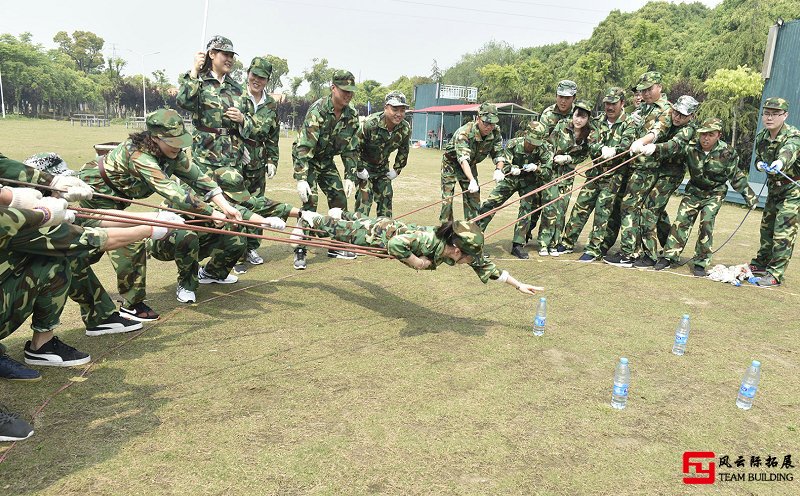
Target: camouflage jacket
x: 468, y: 144
x: 425, y: 243
x: 785, y: 147
x: 551, y: 116
x: 376, y: 143
x: 321, y: 137
x: 541, y: 155
x: 709, y: 172
x: 208, y: 99
x: 137, y: 174
x: 563, y: 141
x: 619, y: 135
x: 11, y: 169
x: 655, y: 118
x: 265, y: 132
x: 669, y: 152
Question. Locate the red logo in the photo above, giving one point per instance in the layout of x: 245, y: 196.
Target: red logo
x: 701, y: 475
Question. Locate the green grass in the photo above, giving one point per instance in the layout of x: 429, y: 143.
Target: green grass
x: 366, y: 377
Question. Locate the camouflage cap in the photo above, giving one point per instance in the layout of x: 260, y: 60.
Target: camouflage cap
x: 49, y: 162
x: 583, y: 104
x: 220, y: 43
x: 566, y: 88
x: 344, y: 80
x: 488, y: 113
x: 710, y: 125
x: 614, y: 94
x: 232, y: 184
x: 536, y: 133
x: 647, y: 80
x: 395, y: 99
x: 686, y: 105
x: 469, y: 238
x: 260, y: 67
x: 776, y: 103
x: 167, y: 124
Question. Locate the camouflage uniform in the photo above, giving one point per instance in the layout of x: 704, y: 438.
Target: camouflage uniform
x: 525, y: 182
x: 708, y: 175
x: 551, y: 116
x: 376, y: 143
x: 780, y: 218
x: 468, y: 144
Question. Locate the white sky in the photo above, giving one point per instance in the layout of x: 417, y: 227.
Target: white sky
x: 375, y: 39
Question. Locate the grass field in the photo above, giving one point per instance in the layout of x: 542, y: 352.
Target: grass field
x: 366, y: 377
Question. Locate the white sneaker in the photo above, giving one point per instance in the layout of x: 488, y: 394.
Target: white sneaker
x: 554, y: 252
x: 544, y: 252
x: 184, y: 295
x: 206, y: 278
x: 253, y: 258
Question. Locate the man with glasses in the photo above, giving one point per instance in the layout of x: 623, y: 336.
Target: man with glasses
x: 777, y: 148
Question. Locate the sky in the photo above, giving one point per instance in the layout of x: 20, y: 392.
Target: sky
x: 374, y: 39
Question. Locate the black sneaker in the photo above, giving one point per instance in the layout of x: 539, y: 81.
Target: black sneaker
x: 13, y: 428
x: 619, y: 260
x: 12, y: 370
x: 644, y: 262
x: 140, y: 312
x: 344, y: 254
x: 563, y: 250
x: 239, y: 268
x: 55, y: 353
x: 518, y: 252
x: 698, y: 271
x: 114, y: 324
x: 663, y: 263
x: 300, y: 258
x: 587, y: 257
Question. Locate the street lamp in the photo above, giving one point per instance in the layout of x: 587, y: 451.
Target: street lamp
x: 144, y: 90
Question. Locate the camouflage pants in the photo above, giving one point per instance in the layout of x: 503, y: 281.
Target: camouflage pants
x: 639, y: 185
x: 582, y: 209
x: 608, y: 213
x: 264, y: 207
x: 255, y: 180
x: 377, y: 187
x: 362, y: 231
x: 692, y: 205
x: 778, y: 229
x: 522, y: 185
x: 327, y: 178
x: 188, y: 248
x: 87, y: 291
x: 554, y: 215
x: 654, y: 214
x: 452, y: 174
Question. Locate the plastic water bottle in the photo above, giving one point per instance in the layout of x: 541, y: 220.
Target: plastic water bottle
x: 681, y: 336
x: 622, y: 377
x: 541, y: 317
x: 747, y: 391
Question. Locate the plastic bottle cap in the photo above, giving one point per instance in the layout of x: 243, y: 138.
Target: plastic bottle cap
x: 623, y: 361
x: 542, y: 299
x: 686, y: 316
x: 756, y: 363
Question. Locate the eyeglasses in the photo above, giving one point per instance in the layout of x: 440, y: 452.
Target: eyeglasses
x: 773, y: 114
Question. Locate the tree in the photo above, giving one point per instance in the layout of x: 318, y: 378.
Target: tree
x: 436, y: 74
x: 280, y: 68
x: 732, y: 87
x: 318, y: 77
x: 85, y: 48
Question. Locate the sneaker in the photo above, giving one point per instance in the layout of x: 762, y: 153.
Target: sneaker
x: 13, y: 428
x: 253, y: 258
x: 140, y: 312
x: 767, y: 280
x: 55, y: 353
x: 184, y: 295
x: 114, y: 324
x: 12, y: 370
x: 587, y: 257
x: 239, y: 268
x: 662, y: 263
x: 518, y: 252
x: 757, y: 270
x: 554, y: 253
x: 543, y: 252
x: 619, y: 260
x: 299, y: 258
x: 563, y: 250
x: 644, y: 262
x: 206, y: 278
x: 347, y: 255
x: 698, y: 271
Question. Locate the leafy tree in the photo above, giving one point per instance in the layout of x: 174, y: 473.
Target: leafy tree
x: 728, y: 90
x: 280, y: 68
x: 318, y: 77
x: 436, y: 74
x: 84, y: 47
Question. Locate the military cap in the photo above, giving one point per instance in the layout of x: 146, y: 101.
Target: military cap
x: 220, y: 43
x: 536, y: 133
x: 488, y: 113
x: 49, y: 162
x: 167, y: 124
x: 686, y: 105
x: 261, y: 67
x: 776, y: 103
x: 469, y: 238
x: 614, y: 94
x: 566, y: 88
x: 232, y: 184
x: 583, y: 104
x: 344, y: 80
x: 710, y: 125
x: 395, y: 99
x: 648, y: 79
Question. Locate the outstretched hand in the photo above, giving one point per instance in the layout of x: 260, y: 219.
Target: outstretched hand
x: 528, y: 289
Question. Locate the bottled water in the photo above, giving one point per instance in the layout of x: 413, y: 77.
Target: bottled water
x: 622, y: 377
x: 541, y: 317
x: 681, y: 336
x: 747, y: 391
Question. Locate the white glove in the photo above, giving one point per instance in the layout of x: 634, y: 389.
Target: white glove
x: 607, y: 152
x: 649, y: 149
x: 515, y: 171
x: 245, y: 156
x: 562, y: 159
x: 776, y: 166
x: 304, y: 190
x: 636, y: 117
x: 363, y: 174
x: 310, y: 217
x: 473, y: 186
x: 636, y: 147
x: 54, y: 210
x: 24, y: 198
x: 75, y: 188
x: 274, y: 223
x: 167, y: 216
x: 335, y: 213
x: 498, y: 175
x: 530, y: 167
x: 349, y: 187
x: 392, y: 174
x: 762, y: 166
x: 271, y: 169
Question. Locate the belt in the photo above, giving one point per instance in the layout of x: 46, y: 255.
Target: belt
x: 219, y: 131
x: 101, y: 167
